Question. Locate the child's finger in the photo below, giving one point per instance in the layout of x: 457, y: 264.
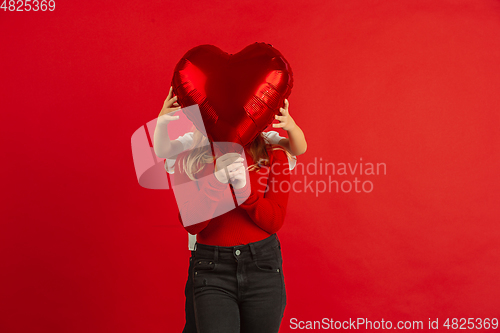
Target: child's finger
x: 284, y: 112
x: 227, y: 159
x: 280, y: 118
x: 235, y: 167
x: 286, y: 104
x: 169, y: 93
x: 171, y: 111
x: 169, y: 117
x: 171, y: 101
x: 279, y: 125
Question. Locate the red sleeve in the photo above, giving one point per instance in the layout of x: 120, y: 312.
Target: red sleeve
x: 197, y: 200
x: 268, y: 210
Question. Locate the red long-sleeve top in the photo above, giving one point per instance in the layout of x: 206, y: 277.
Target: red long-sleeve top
x: 224, y: 223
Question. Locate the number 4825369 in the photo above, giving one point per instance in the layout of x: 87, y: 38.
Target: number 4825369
x: 471, y: 323
x: 28, y: 5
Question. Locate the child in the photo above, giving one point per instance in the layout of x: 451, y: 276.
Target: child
x: 169, y: 149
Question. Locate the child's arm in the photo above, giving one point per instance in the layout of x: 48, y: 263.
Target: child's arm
x: 296, y: 143
x: 163, y: 146
x: 267, y: 211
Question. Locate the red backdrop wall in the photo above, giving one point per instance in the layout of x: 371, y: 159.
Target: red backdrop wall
x: 411, y: 84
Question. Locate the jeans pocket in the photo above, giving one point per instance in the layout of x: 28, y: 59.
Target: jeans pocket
x: 277, y: 250
x: 204, y: 265
x: 268, y: 262
x: 204, y: 274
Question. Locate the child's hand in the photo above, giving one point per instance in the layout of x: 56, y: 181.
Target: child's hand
x: 229, y: 168
x: 169, y: 107
x: 286, y: 121
x: 239, y: 177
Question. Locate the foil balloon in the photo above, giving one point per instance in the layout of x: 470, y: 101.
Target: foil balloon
x: 238, y: 94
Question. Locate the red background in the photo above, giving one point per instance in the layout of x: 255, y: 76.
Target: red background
x: 412, y: 84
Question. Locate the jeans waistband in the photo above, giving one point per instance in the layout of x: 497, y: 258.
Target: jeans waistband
x: 236, y: 252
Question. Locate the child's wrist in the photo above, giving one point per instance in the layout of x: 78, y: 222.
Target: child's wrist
x: 162, y: 121
x: 293, y: 128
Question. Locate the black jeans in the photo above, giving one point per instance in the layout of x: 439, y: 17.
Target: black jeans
x: 240, y: 288
x: 190, y: 326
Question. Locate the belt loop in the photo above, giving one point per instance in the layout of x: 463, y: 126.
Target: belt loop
x: 195, y: 246
x: 252, y: 250
x: 216, y: 254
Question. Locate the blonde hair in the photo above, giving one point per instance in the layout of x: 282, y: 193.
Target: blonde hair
x: 201, y: 154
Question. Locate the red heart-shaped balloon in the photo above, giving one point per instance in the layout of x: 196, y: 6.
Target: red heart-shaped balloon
x: 238, y: 94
